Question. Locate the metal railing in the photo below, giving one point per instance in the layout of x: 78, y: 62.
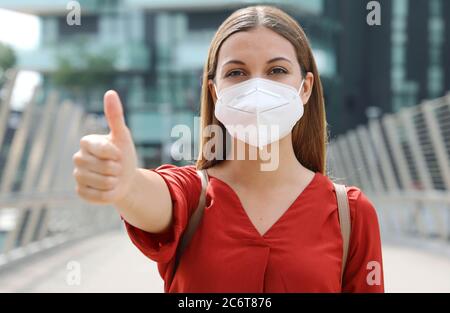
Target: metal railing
x: 39, y: 207
x: 402, y: 162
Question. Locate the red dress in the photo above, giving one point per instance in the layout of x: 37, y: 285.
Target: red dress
x: 301, y: 252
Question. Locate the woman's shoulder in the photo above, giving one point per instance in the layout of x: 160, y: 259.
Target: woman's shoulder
x: 181, y: 177
x: 186, y: 171
x: 188, y: 168
x: 361, y: 207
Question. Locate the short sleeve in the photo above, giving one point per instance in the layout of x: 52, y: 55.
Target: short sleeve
x: 364, y: 267
x: 184, y: 187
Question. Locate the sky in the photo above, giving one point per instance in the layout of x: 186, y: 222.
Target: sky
x: 18, y: 29
x: 21, y: 32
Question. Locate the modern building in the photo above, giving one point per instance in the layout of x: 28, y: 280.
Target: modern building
x: 397, y: 64
x: 160, y: 49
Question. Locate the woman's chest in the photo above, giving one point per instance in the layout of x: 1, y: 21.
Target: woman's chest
x: 301, y: 253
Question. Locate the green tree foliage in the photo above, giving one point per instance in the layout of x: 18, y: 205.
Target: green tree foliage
x: 85, y: 72
x: 81, y: 73
x: 7, y: 60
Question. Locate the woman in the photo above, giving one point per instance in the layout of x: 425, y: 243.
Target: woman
x: 263, y: 230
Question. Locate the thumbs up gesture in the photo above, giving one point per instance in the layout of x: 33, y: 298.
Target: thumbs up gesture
x: 106, y: 165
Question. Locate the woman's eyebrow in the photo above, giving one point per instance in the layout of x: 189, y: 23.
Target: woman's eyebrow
x: 270, y: 61
x: 233, y: 62
x: 278, y: 59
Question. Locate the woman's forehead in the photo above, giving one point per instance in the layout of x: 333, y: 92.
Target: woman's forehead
x: 259, y: 44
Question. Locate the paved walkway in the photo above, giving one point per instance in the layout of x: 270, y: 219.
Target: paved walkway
x: 106, y: 263
x: 110, y: 263
x: 413, y: 268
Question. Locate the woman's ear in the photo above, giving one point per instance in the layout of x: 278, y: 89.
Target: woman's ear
x: 212, y: 90
x: 307, y: 87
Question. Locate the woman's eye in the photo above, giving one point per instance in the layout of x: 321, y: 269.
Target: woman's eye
x: 278, y: 70
x: 235, y: 73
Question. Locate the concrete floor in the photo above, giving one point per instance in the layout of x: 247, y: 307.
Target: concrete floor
x: 110, y: 263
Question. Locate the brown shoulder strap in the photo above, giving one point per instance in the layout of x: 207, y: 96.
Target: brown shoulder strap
x: 194, y: 220
x: 344, y: 221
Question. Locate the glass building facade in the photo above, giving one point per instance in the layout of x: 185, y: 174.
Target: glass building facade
x: 161, y: 46
x: 160, y: 49
x: 397, y: 64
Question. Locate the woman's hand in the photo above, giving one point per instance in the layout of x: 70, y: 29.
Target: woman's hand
x: 106, y: 165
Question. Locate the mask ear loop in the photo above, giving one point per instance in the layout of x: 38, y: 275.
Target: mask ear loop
x: 301, y: 86
x: 215, y: 89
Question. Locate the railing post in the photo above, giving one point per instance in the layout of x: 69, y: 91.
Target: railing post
x: 369, y: 151
x: 380, y: 146
x: 392, y: 135
x: 16, y: 151
x: 12, y: 164
x: 437, y: 141
x: 5, y: 103
x: 406, y: 116
x: 359, y: 163
x: 52, y: 162
x: 334, y: 162
x: 34, y: 161
x: 345, y: 159
x: 340, y: 164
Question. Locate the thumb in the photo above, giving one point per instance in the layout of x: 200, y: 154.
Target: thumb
x: 114, y: 114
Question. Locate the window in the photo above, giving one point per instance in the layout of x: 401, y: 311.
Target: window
x: 89, y: 25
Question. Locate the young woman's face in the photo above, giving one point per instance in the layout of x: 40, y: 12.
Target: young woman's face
x: 262, y: 53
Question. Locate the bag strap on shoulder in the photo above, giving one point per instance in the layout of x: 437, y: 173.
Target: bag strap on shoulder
x: 195, y: 218
x: 344, y: 221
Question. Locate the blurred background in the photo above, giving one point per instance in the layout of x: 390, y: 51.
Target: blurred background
x: 385, y: 68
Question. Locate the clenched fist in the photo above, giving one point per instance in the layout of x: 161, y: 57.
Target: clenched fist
x: 106, y: 165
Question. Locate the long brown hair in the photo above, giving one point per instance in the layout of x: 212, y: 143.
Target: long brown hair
x: 309, y: 135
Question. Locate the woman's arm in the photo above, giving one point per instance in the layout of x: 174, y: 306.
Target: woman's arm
x: 106, y: 172
x: 148, y: 205
x: 364, y: 270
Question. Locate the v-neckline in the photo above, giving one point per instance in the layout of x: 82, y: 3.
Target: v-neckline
x: 277, y: 221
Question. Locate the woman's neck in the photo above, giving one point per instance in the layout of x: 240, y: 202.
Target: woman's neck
x: 277, y: 165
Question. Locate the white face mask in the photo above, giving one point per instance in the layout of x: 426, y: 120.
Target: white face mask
x: 259, y: 111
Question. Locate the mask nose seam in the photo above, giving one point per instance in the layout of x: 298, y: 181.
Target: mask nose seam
x: 258, y: 139
x: 278, y: 106
x: 269, y: 92
x: 246, y: 94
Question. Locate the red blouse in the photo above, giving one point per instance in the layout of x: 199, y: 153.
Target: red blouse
x: 301, y: 252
